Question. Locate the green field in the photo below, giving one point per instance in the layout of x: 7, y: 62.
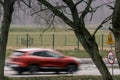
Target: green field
x: 58, y: 38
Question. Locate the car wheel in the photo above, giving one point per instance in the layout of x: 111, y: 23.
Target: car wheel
x: 57, y: 72
x: 19, y: 72
x: 33, y: 69
x: 71, y: 68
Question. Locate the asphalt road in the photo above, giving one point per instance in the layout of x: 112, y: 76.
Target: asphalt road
x: 87, y: 67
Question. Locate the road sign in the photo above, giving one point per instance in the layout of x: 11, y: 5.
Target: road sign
x: 110, y: 39
x: 111, y: 57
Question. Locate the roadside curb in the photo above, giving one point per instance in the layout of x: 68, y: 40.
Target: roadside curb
x: 89, y: 61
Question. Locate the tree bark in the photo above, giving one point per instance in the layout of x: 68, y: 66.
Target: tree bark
x: 117, y: 47
x: 116, y: 29
x: 91, y: 47
x: 7, y: 16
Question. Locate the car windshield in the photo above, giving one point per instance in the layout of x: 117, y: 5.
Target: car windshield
x: 17, y: 53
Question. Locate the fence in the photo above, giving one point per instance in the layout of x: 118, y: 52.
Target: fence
x: 54, y: 41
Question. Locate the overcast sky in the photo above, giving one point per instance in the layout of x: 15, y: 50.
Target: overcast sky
x: 21, y: 18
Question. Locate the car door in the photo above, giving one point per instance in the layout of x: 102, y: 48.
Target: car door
x: 51, y: 59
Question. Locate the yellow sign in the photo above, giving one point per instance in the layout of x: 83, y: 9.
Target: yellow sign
x: 110, y: 39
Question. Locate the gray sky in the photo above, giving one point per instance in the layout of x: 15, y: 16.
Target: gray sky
x: 22, y: 18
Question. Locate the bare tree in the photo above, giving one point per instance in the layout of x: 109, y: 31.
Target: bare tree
x: 6, y: 21
x: 77, y: 23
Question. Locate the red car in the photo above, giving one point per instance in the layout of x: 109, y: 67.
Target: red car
x: 35, y: 60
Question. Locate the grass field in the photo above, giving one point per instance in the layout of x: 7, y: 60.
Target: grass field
x: 58, y: 38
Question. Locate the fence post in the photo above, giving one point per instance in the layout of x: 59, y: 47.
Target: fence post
x: 17, y: 41
x: 53, y: 42
x: 27, y: 44
x: 41, y: 36
x: 65, y: 40
x: 78, y: 44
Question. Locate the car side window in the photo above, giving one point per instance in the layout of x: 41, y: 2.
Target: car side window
x: 45, y: 54
x: 38, y: 54
x: 48, y: 54
x: 51, y: 54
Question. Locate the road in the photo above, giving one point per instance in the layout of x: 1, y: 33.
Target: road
x: 85, y: 69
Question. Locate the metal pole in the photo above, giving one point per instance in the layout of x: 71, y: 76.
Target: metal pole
x: 17, y: 41
x: 65, y: 40
x: 112, y: 70
x: 53, y: 41
x: 111, y: 47
x: 27, y: 40
x: 41, y: 39
x: 112, y: 64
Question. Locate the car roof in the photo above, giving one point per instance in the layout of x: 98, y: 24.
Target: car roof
x: 33, y: 49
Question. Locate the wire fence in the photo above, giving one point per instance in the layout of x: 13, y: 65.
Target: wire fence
x: 55, y: 41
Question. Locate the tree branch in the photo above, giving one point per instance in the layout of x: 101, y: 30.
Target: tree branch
x: 29, y: 5
x: 49, y: 24
x: 110, y: 7
x: 86, y: 10
x: 57, y: 12
x: 104, y: 21
x: 79, y: 2
x: 57, y: 7
x: 73, y: 10
x: 94, y: 9
x: 102, y: 5
x: 1, y: 2
x: 38, y: 11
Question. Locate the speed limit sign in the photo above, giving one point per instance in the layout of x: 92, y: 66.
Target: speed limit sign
x: 111, y: 57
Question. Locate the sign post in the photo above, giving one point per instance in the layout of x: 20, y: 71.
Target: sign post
x: 111, y: 59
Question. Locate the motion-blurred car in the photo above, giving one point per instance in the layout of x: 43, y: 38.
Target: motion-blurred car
x: 34, y: 60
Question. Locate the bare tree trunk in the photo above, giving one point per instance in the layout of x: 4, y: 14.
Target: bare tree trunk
x: 116, y: 29
x: 92, y: 48
x: 8, y: 10
x: 117, y: 47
